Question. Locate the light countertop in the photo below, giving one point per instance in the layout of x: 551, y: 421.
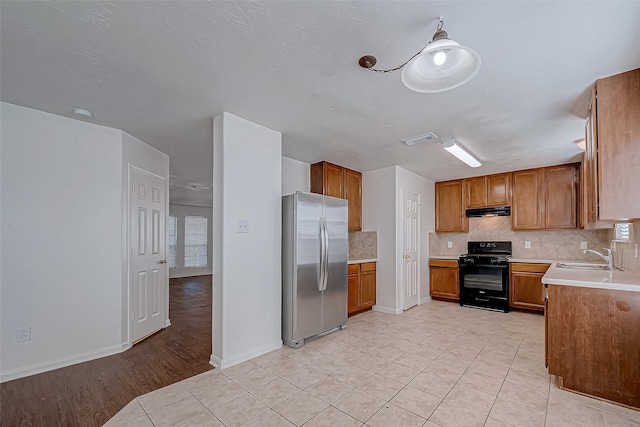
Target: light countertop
x: 602, y: 279
x: 361, y: 261
x: 444, y: 256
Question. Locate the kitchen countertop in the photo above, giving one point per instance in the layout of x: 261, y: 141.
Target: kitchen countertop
x: 602, y: 279
x: 360, y: 261
x: 444, y: 256
x: 535, y: 261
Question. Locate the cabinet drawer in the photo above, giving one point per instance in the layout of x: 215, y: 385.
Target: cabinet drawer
x: 353, y: 268
x: 529, y: 267
x: 368, y: 266
x: 443, y: 263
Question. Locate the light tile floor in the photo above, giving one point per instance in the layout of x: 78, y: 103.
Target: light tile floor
x: 437, y: 364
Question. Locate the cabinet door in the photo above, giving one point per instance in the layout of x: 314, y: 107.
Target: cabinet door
x: 450, y: 215
x: 444, y: 282
x: 476, y: 190
x: 499, y: 190
x: 353, y: 193
x: 618, y: 146
x: 527, y: 206
x: 353, y: 291
x: 561, y: 200
x: 526, y: 291
x: 334, y: 180
x: 368, y: 285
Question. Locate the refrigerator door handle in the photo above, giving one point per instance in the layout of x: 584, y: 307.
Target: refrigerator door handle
x: 326, y: 254
x: 322, y: 250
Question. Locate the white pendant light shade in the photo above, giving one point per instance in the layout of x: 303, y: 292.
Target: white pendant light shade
x: 441, y: 66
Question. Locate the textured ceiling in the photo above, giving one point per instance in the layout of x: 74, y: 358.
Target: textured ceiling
x: 161, y: 70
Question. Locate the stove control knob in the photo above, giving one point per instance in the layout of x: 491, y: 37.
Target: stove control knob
x: 494, y: 260
x: 469, y: 260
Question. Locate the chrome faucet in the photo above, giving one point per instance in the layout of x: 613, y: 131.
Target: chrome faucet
x: 608, y: 258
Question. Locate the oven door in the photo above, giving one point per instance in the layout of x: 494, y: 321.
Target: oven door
x: 489, y: 278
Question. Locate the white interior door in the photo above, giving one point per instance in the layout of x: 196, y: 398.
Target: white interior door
x: 148, y: 265
x: 411, y: 249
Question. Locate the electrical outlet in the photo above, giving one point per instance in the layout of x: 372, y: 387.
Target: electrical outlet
x: 267, y: 317
x: 23, y: 334
x: 583, y: 245
x: 636, y: 250
x: 449, y: 245
x: 614, y: 247
x: 527, y: 244
x: 242, y: 226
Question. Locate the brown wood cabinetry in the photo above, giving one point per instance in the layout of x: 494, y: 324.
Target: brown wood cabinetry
x: 545, y: 198
x: 450, y: 214
x: 488, y: 191
x: 525, y: 285
x: 592, y: 338
x: 361, y: 284
x: 443, y: 279
x: 337, y: 181
x: 613, y: 148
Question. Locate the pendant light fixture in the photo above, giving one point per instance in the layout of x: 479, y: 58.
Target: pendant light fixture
x: 441, y: 65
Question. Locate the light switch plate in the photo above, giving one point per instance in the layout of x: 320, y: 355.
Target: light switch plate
x: 527, y: 244
x: 242, y: 226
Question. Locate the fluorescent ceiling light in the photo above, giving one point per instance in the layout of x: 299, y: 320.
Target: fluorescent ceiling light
x: 457, y: 151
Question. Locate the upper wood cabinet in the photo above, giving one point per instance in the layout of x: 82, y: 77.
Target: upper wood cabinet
x: 488, y: 191
x: 527, y: 204
x: 545, y: 198
x: 450, y: 215
x: 613, y: 150
x: 337, y: 181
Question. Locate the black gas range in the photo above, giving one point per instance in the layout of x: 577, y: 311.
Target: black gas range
x: 484, y: 275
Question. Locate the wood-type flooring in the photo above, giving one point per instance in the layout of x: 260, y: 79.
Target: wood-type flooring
x: 89, y: 393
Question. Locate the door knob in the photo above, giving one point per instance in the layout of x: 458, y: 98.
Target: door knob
x: 163, y: 261
x: 407, y: 256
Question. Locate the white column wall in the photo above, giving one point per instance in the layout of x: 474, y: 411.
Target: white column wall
x: 61, y: 222
x: 379, y: 213
x: 247, y: 267
x: 181, y: 211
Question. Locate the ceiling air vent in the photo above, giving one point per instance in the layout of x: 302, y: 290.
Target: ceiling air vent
x: 430, y: 136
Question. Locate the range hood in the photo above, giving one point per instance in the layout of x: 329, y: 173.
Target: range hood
x: 497, y: 211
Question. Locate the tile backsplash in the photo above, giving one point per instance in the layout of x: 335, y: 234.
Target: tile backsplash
x: 556, y: 244
x: 363, y: 245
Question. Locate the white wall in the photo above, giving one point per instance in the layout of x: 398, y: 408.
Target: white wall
x: 379, y: 213
x: 180, y: 211
x: 61, y: 243
x: 247, y: 165
x: 424, y: 188
x: 295, y: 176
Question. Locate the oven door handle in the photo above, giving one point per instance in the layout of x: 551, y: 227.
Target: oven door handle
x: 500, y: 267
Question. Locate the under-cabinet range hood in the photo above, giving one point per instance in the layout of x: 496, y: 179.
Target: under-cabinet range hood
x: 496, y: 211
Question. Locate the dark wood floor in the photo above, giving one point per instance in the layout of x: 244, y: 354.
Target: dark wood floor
x: 88, y: 394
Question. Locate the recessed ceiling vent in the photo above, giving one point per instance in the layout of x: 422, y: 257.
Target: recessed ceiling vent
x: 430, y: 136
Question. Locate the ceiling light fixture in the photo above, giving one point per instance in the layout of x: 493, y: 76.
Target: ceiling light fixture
x: 452, y: 147
x: 581, y: 143
x: 83, y: 112
x: 440, y: 66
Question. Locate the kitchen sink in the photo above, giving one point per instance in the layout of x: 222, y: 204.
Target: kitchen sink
x: 582, y: 266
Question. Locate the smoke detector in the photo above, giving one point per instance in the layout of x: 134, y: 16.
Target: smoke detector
x: 426, y: 137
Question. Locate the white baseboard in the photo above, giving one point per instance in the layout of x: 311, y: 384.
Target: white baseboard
x: 423, y: 300
x: 62, y: 362
x: 387, y: 310
x: 231, y: 361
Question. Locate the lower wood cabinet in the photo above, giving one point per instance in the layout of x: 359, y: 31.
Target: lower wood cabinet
x: 525, y: 285
x: 361, y: 284
x: 443, y: 279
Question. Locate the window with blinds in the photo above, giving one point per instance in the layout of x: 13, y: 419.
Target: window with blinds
x: 195, y: 241
x: 622, y: 232
x: 172, y: 235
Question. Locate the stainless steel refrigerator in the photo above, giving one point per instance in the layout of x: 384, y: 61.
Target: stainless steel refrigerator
x: 315, y: 248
